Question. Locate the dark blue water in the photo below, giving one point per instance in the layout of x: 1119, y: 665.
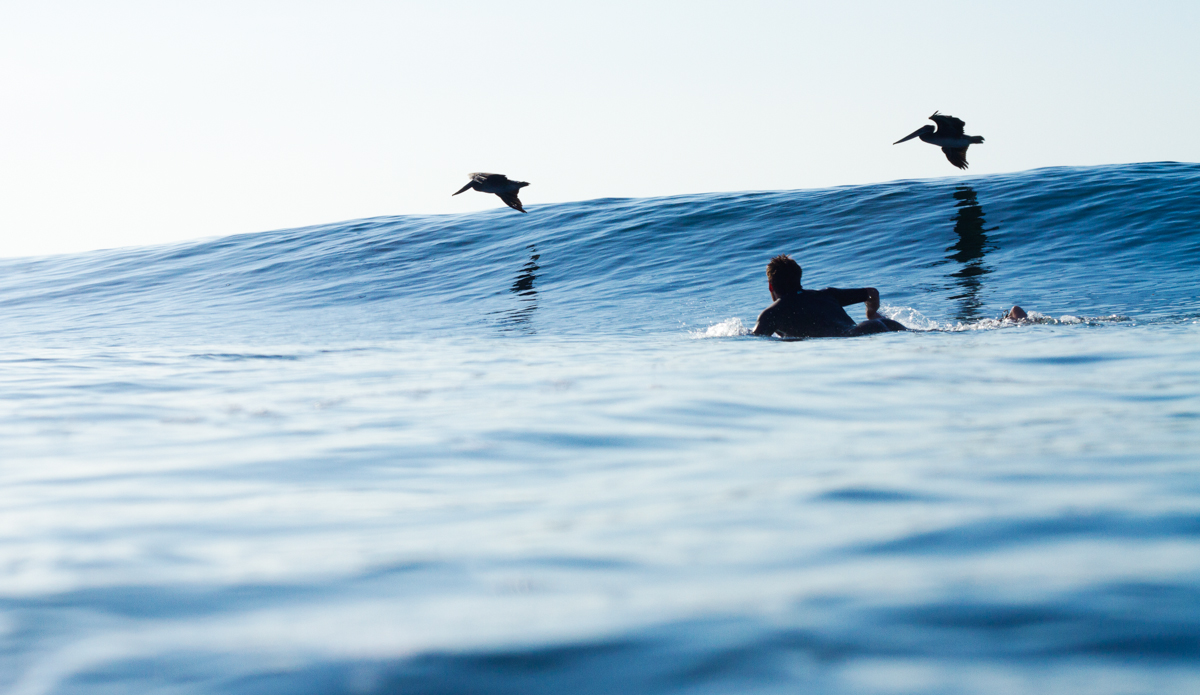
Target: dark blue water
x: 537, y: 453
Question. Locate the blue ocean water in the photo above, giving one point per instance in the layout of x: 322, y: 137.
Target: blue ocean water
x: 504, y: 453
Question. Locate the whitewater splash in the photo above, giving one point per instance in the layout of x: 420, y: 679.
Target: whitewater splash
x: 728, y: 328
x: 915, y: 320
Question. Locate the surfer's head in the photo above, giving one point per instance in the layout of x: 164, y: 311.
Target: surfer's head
x: 783, y: 275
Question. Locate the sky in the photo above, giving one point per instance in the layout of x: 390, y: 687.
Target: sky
x: 127, y: 123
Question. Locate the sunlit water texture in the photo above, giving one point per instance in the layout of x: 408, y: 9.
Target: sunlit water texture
x: 504, y: 453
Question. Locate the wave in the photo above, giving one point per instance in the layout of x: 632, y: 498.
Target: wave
x: 1071, y: 242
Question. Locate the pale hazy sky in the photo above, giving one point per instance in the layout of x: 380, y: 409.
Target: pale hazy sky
x: 127, y: 123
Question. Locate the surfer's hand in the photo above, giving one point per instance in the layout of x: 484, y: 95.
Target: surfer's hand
x: 872, y: 303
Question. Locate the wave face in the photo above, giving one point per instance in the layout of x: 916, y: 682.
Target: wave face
x: 506, y: 453
x: 1081, y: 241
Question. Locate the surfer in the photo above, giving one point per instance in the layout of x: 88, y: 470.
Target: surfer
x: 801, y: 313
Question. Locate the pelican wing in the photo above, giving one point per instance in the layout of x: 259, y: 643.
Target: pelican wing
x: 948, y: 125
x: 956, y: 155
x: 511, y: 200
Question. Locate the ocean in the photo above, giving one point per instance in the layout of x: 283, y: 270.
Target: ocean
x: 506, y: 453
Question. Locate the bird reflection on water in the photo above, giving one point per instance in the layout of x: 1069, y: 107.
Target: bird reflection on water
x: 970, y: 253
x: 519, y: 319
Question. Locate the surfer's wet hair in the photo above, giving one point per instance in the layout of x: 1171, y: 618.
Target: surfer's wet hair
x: 783, y: 272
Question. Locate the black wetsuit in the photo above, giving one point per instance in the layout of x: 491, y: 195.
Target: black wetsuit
x: 818, y: 314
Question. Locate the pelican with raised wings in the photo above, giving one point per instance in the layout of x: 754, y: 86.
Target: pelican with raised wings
x: 498, y: 184
x: 949, y: 136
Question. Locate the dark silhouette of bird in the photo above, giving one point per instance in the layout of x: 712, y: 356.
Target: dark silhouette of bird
x: 498, y: 184
x: 948, y: 136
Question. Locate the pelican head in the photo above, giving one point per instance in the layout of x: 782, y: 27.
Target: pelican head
x: 923, y: 130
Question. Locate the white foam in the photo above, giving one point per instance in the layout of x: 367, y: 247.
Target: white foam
x: 728, y: 328
x: 915, y: 320
x: 910, y: 317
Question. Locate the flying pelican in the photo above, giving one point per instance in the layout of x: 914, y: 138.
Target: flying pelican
x: 498, y: 184
x: 949, y: 137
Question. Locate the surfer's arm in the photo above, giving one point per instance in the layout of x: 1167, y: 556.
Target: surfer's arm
x: 861, y: 295
x: 765, y: 324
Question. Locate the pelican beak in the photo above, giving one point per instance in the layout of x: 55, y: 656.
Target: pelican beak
x: 472, y: 183
x: 914, y: 134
